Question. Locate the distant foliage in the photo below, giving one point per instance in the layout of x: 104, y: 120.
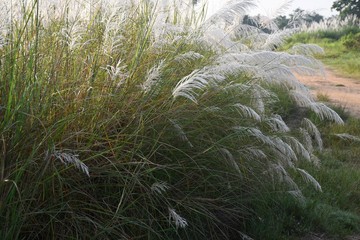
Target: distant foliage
x: 298, y: 18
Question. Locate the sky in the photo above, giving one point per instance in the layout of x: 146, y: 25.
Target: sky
x: 268, y: 7
x: 323, y: 7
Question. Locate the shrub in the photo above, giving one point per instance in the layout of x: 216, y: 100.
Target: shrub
x: 351, y: 41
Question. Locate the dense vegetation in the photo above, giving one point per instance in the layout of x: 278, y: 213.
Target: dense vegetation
x: 340, y: 40
x: 134, y: 121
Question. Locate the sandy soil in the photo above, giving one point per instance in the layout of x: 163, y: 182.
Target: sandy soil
x: 341, y: 91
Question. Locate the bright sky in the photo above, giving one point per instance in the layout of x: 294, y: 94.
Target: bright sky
x: 268, y: 7
x: 323, y: 7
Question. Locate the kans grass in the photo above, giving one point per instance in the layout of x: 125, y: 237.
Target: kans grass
x: 143, y: 121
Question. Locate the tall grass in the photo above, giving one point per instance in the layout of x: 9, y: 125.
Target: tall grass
x: 333, y: 28
x: 137, y: 121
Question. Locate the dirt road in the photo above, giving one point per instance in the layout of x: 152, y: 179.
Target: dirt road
x: 339, y: 90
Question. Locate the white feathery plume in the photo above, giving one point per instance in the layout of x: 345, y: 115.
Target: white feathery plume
x: 258, y: 101
x: 281, y: 149
x: 234, y: 68
x: 298, y: 147
x: 270, y: 67
x: 256, y: 41
x: 310, y: 179
x: 112, y: 37
x: 332, y: 24
x: 277, y: 170
x: 70, y: 158
x: 346, y: 136
x: 244, y: 31
x: 220, y: 40
x: 197, y: 80
x: 73, y: 35
x: 117, y: 73
x: 153, y: 75
x: 242, y: 57
x: 307, y: 70
x: 245, y: 237
x: 257, y: 153
x: 168, y: 33
x: 268, y: 23
x: 307, y: 140
x: 281, y: 9
x: 303, y: 99
x: 234, y: 63
x: 287, y: 153
x: 251, y: 154
x: 307, y: 49
x: 312, y: 129
x: 230, y: 159
x: 232, y: 11
x: 315, y: 160
x: 4, y: 24
x: 259, y: 96
x: 324, y: 112
x: 283, y: 75
x: 188, y: 57
x: 159, y: 187
x: 247, y: 112
x: 179, y: 221
x: 241, y: 87
x: 254, y: 132
x: 277, y: 63
x: 293, y: 60
x: 277, y: 124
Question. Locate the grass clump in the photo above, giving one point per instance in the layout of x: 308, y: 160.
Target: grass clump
x: 351, y: 41
x: 133, y: 121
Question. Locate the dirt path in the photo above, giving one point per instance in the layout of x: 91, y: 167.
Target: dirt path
x: 343, y: 92
x: 339, y: 90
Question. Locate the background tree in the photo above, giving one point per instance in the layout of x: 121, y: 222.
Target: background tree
x: 347, y: 7
x: 297, y: 18
x: 311, y: 17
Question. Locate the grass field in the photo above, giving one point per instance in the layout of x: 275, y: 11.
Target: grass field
x: 138, y: 121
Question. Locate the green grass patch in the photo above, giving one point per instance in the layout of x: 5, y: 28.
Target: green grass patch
x: 346, y: 61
